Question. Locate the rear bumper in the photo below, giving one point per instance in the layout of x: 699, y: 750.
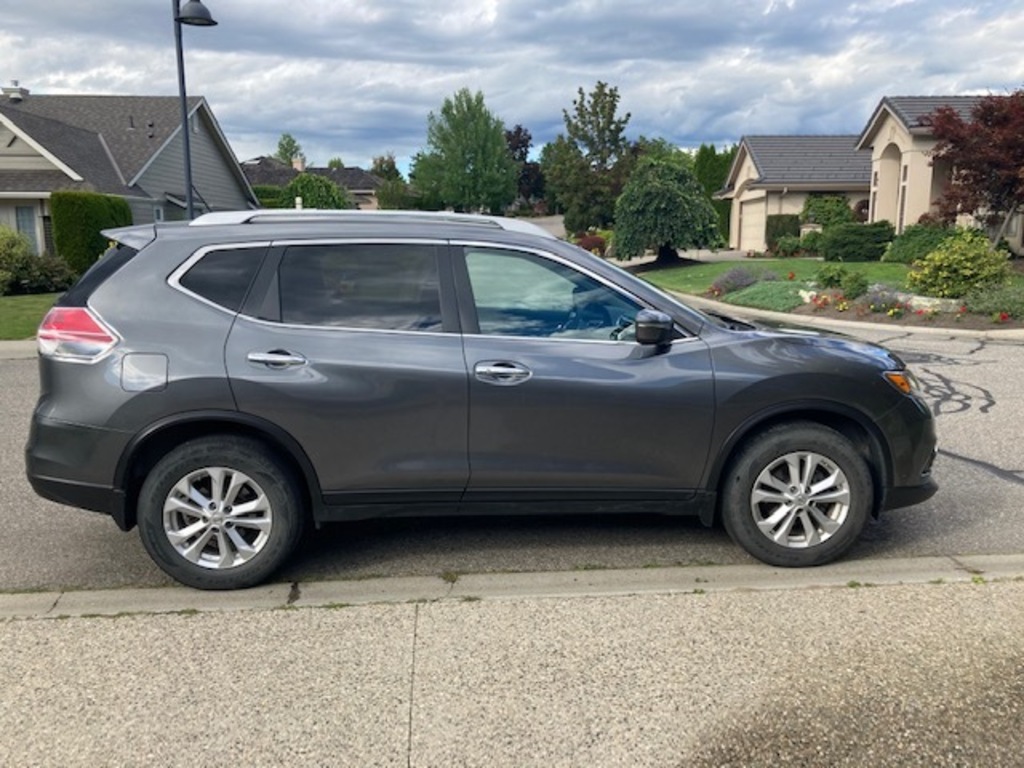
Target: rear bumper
x: 94, y: 498
x: 71, y: 464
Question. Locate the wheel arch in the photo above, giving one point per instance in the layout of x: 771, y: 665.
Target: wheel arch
x: 862, y: 433
x: 147, y: 447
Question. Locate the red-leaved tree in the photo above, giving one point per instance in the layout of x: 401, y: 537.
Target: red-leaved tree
x: 986, y: 154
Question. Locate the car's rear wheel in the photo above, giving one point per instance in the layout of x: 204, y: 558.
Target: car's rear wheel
x: 797, y: 495
x: 219, y: 513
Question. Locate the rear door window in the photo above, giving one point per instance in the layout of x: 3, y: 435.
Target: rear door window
x: 381, y: 286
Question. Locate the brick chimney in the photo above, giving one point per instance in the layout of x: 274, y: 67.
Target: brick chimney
x: 299, y: 163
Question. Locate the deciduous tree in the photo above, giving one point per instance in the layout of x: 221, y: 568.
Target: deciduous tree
x: 288, y: 149
x: 530, y: 183
x: 466, y: 165
x: 664, y: 208
x: 986, y: 154
x: 384, y: 167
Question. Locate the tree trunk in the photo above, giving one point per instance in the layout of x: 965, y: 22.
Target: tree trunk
x: 667, y: 254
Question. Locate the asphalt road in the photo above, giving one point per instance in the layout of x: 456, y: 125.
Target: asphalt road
x: 974, y: 387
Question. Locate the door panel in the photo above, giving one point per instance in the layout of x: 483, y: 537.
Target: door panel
x: 590, y: 416
x: 561, y: 400
x: 378, y: 407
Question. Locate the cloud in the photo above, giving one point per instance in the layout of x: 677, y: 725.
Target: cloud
x: 357, y: 78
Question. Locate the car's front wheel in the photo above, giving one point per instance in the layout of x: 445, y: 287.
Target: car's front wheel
x: 797, y: 495
x: 219, y: 513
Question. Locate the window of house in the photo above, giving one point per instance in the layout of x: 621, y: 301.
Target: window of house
x: 379, y: 286
x: 158, y: 213
x: 25, y: 217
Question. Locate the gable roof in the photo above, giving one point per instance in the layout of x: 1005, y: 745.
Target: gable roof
x: 133, y: 127
x: 119, y: 135
x: 909, y: 110
x: 271, y: 171
x: 81, y: 158
x: 807, y: 162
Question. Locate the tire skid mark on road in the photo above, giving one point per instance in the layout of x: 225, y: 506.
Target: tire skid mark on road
x: 1015, y: 476
x: 949, y: 396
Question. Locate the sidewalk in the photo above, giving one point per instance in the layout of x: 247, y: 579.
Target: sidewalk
x: 737, y: 665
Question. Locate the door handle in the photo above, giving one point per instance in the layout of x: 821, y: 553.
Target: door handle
x: 277, y: 358
x: 501, y: 372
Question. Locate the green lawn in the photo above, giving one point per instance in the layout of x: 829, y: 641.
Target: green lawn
x: 21, y: 315
x: 697, y: 279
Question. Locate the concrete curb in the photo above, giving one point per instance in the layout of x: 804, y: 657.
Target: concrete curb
x: 850, y: 326
x: 18, y: 350
x: 515, y: 586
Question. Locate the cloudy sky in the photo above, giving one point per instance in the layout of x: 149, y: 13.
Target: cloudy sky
x: 357, y: 78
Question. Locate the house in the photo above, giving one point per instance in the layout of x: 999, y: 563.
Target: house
x: 889, y: 168
x: 775, y: 174
x: 129, y: 146
x: 271, y: 172
x: 905, y: 179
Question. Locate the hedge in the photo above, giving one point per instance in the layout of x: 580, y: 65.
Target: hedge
x: 78, y: 218
x: 779, y: 225
x: 856, y: 242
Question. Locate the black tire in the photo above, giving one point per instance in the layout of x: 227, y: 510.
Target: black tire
x: 250, y: 524
x: 792, y: 522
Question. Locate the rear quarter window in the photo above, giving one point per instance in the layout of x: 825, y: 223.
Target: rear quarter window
x: 223, y: 277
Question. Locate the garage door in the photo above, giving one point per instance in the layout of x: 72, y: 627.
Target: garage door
x: 752, y: 225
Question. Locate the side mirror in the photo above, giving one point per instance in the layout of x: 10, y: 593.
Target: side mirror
x: 653, y: 327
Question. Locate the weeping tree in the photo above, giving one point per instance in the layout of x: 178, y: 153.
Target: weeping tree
x: 663, y: 208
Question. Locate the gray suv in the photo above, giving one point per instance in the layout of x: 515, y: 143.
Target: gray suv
x: 222, y: 383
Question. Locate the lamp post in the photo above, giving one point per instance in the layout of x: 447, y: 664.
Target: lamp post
x: 195, y: 14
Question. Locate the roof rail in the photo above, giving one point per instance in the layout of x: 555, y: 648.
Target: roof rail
x: 282, y: 215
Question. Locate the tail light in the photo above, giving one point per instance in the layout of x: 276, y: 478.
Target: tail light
x: 75, y: 334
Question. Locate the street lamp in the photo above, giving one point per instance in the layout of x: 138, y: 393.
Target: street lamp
x: 195, y: 14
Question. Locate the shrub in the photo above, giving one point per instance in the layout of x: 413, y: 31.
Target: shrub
x: 915, y: 242
x: 962, y: 263
x: 810, y: 243
x: 856, y: 242
x: 21, y: 271
x: 316, y: 192
x: 787, y: 246
x: 733, y: 280
x: 854, y: 284
x: 78, y: 220
x: 831, y: 275
x: 269, y: 195
x: 593, y: 243
x: 826, y: 210
x: 1003, y: 299
x: 779, y: 225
